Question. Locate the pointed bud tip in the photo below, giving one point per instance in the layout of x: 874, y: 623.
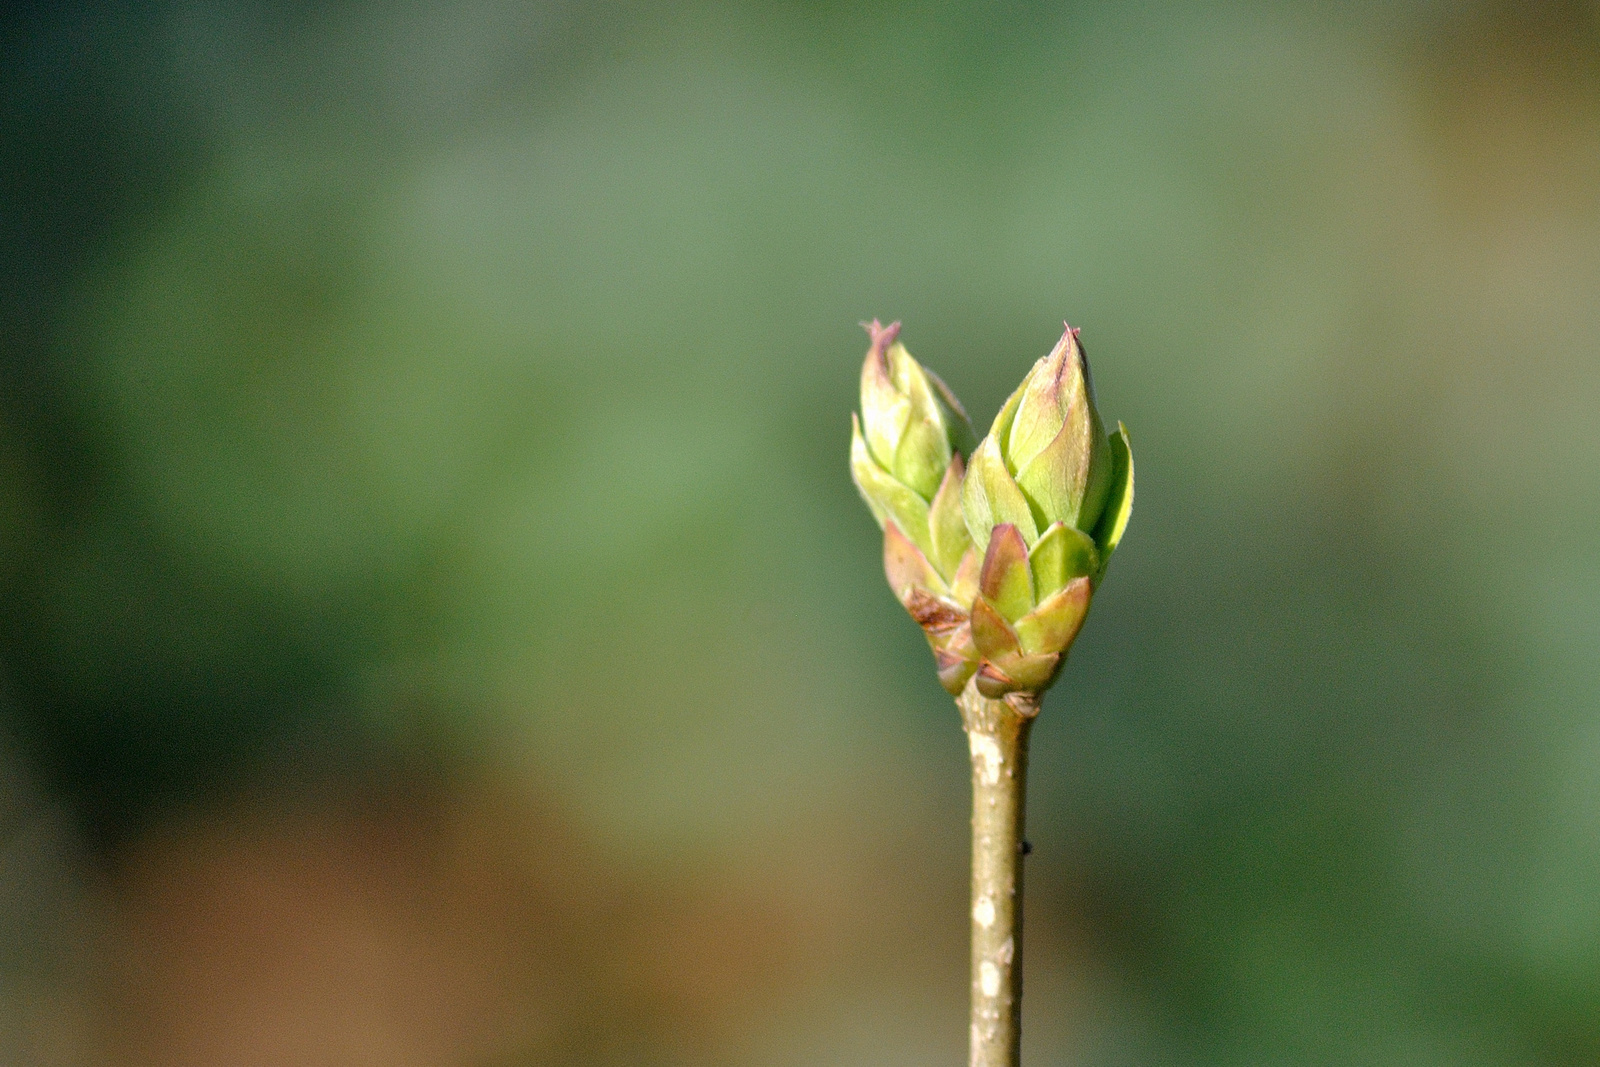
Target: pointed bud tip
x: 1067, y: 355
x: 882, y: 336
x: 1077, y: 343
x: 1071, y: 343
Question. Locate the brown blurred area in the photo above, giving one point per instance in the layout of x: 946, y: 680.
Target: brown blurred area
x: 461, y: 923
x: 435, y: 919
x: 451, y: 923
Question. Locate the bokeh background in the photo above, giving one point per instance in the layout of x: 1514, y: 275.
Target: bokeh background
x: 436, y: 625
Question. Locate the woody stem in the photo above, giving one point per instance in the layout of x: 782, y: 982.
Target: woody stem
x: 997, y: 737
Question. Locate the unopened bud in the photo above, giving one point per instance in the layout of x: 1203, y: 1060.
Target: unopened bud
x: 906, y: 450
x: 906, y: 458
x: 1046, y: 459
x: 912, y: 423
x: 1048, y: 494
x: 996, y: 558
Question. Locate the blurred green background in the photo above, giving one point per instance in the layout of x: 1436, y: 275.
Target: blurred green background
x: 437, y: 627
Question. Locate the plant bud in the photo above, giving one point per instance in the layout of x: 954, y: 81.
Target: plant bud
x: 1049, y: 495
x: 1046, y: 459
x: 906, y: 450
x: 906, y: 458
x: 911, y: 421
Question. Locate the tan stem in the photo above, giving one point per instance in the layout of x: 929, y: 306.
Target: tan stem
x: 997, y: 737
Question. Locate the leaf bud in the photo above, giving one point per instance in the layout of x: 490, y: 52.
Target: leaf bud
x: 907, y: 447
x: 907, y: 454
x: 1046, y: 459
x: 1048, y: 493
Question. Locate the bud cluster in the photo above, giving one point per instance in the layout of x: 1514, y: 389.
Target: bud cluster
x: 1046, y: 497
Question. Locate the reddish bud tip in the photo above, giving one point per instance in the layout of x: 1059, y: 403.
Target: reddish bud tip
x: 882, y: 336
